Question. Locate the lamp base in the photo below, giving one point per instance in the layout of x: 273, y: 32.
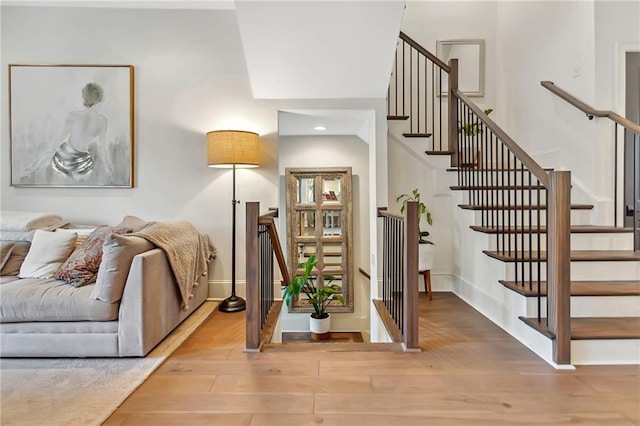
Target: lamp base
x: 232, y: 303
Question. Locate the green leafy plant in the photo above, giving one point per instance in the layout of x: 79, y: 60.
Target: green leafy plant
x: 472, y: 129
x: 318, y: 297
x: 422, y: 211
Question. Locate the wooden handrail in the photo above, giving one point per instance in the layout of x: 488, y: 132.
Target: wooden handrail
x: 365, y: 273
x: 383, y: 212
x: 277, y: 248
x: 588, y: 110
x: 520, y: 154
x: 425, y: 52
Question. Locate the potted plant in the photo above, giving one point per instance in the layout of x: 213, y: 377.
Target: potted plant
x: 425, y: 247
x: 318, y: 297
x: 473, y: 129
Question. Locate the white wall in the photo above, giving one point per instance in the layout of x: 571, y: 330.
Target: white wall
x: 429, y: 21
x: 190, y: 78
x: 549, y: 41
x: 334, y: 151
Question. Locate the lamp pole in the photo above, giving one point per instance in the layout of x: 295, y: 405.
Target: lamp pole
x: 233, y: 303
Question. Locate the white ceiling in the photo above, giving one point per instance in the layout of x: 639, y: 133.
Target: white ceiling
x: 319, y: 49
x: 337, y: 122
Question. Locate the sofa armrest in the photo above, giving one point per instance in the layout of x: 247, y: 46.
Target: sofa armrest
x: 151, y: 304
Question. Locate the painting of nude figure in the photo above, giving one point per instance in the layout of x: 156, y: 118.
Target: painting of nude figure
x: 71, y: 125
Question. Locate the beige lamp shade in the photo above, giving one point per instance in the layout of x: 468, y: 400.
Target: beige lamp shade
x: 228, y: 147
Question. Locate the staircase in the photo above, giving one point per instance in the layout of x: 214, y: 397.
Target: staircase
x: 519, y: 229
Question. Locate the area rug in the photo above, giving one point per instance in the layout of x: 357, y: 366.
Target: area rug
x: 66, y: 391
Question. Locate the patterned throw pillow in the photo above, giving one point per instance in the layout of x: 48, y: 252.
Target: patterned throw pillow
x: 82, y: 266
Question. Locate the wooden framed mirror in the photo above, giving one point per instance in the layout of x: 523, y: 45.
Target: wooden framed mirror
x: 319, y: 221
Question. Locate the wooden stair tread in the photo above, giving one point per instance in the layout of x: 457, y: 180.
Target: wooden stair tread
x: 456, y: 169
x: 520, y: 207
x: 494, y: 187
x: 594, y: 328
x: 397, y: 117
x: 439, y: 152
x: 576, y: 256
x: 575, y: 229
x: 416, y: 135
x: 328, y: 346
x: 579, y: 288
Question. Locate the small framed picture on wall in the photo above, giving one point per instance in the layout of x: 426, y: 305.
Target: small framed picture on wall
x: 71, y: 125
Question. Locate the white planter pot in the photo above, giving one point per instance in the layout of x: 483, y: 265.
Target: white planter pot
x: 426, y: 256
x: 320, y: 326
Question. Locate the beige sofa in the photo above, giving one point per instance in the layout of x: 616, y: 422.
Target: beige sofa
x: 147, y: 283
x: 49, y: 318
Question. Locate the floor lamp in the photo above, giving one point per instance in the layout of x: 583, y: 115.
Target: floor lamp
x: 233, y: 149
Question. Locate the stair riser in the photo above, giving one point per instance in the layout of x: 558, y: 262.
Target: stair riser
x: 494, y: 178
x: 580, y: 271
x: 614, y: 271
x: 509, y: 197
x: 599, y: 352
x: 578, y: 241
x: 593, y: 306
x: 514, y: 218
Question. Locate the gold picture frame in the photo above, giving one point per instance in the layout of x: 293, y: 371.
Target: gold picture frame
x: 71, y: 125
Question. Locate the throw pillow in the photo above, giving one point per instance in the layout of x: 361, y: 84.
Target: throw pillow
x: 18, y: 254
x: 6, y: 247
x: 48, y: 251
x: 81, y: 267
x: 134, y: 223
x: 118, y: 254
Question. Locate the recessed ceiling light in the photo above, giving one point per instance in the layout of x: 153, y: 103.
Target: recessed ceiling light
x: 320, y: 128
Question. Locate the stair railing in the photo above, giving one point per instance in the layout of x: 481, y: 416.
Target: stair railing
x: 634, y: 133
x: 263, y: 244
x: 518, y: 201
x: 417, y: 93
x: 398, y: 307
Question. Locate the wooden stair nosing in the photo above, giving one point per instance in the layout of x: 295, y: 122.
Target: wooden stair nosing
x: 438, y: 152
x: 520, y: 207
x: 417, y: 135
x: 456, y: 169
x: 593, y: 328
x: 578, y: 288
x: 397, y: 117
x: 576, y: 229
x: 576, y: 256
x: 328, y: 346
x: 494, y: 187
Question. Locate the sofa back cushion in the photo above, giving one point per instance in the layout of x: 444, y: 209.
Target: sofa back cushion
x: 15, y: 260
x: 118, y: 254
x: 48, y: 252
x: 82, y: 266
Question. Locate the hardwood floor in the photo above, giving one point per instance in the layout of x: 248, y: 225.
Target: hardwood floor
x: 469, y: 373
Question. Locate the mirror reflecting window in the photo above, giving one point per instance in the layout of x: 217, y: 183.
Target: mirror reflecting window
x: 306, y: 191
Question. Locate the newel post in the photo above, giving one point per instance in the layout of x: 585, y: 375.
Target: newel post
x: 410, y: 290
x: 253, y: 278
x: 558, y: 264
x: 453, y: 111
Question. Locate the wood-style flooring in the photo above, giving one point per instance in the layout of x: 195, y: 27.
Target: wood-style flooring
x: 469, y: 372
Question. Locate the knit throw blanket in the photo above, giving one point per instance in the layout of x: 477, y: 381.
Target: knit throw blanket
x: 187, y: 250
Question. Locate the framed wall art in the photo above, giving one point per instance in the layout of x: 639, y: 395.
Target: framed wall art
x: 71, y: 125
